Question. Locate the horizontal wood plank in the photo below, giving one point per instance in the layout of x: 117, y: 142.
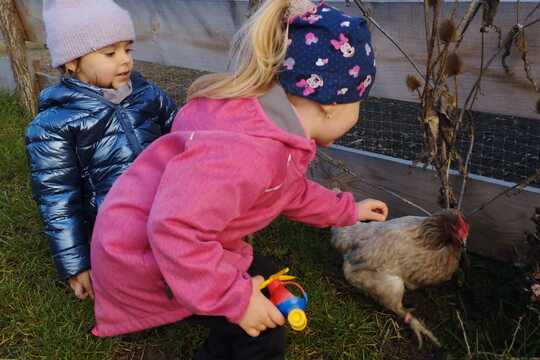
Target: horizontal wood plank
x: 494, y: 231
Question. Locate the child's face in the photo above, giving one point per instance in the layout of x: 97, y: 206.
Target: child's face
x: 108, y: 67
x: 342, y: 117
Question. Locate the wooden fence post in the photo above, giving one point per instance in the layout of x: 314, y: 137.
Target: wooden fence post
x: 14, y: 37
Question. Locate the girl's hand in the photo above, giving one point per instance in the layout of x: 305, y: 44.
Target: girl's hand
x: 370, y: 209
x: 82, y: 285
x: 261, y: 313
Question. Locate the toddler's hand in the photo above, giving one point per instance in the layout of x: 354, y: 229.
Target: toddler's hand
x: 82, y: 285
x: 370, y: 209
x: 260, y: 313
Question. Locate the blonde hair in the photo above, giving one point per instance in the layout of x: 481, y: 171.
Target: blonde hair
x: 257, y: 54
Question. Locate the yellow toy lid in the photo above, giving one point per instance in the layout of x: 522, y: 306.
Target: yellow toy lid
x: 297, y: 319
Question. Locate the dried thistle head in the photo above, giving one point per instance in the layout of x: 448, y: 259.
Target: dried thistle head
x: 454, y: 65
x: 412, y: 82
x: 447, y: 31
x: 538, y: 106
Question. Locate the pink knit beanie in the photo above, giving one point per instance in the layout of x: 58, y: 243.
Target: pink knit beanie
x: 78, y: 27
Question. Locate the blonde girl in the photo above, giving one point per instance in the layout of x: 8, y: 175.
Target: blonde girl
x: 169, y: 246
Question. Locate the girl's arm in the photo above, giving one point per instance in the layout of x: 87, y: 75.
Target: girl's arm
x: 318, y: 206
x: 214, y: 181
x: 56, y: 186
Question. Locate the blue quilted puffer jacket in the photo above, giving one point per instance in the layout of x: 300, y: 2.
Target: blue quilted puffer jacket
x: 77, y: 146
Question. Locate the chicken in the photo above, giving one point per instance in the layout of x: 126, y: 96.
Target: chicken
x: 384, y: 258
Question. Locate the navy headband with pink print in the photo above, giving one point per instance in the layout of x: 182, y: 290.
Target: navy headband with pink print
x: 329, y: 57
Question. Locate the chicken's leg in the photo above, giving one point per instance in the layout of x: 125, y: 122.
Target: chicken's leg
x: 388, y: 290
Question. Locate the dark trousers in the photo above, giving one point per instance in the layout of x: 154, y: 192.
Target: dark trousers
x: 229, y: 341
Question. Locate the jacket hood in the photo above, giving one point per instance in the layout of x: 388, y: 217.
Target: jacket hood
x: 270, y: 116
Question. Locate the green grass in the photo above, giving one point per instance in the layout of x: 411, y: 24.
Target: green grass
x: 40, y: 319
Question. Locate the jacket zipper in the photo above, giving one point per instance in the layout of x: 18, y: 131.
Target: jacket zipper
x: 128, y: 130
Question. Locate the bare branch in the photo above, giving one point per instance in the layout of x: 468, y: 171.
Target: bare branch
x: 467, y: 19
x: 367, y: 15
x: 471, y: 127
x: 522, y: 185
x: 531, y: 23
x: 466, y: 167
x: 346, y: 170
x: 532, y: 11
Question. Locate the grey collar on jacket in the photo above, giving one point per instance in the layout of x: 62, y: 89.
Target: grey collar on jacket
x: 116, y: 96
x: 112, y: 96
x: 278, y: 108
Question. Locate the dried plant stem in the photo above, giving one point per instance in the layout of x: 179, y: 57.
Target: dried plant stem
x: 531, y: 23
x: 348, y: 171
x: 431, y: 46
x: 532, y: 11
x: 438, y: 104
x: 428, y: 92
x: 454, y: 9
x: 472, y: 93
x: 519, y: 186
x: 469, y: 102
x: 466, y: 167
x: 443, y: 55
x: 366, y: 14
x: 426, y: 23
x: 471, y: 127
x: 466, y: 20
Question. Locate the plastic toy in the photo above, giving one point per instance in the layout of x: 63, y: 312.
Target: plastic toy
x: 291, y: 306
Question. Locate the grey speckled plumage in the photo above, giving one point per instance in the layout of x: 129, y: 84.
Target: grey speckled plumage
x: 384, y: 258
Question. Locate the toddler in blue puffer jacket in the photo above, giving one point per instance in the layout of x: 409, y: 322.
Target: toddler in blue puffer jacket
x: 90, y: 126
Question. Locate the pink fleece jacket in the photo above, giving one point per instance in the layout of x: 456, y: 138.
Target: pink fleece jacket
x: 169, y: 239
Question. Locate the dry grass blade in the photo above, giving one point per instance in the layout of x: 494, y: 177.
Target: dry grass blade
x: 464, y: 334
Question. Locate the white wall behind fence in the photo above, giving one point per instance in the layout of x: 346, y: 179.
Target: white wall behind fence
x: 196, y: 34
